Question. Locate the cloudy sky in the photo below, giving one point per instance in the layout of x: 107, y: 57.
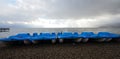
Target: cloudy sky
x: 59, y: 13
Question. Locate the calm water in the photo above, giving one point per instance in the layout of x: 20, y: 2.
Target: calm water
x: 14, y: 31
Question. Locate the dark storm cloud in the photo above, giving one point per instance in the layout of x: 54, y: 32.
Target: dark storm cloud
x: 65, y: 9
x: 75, y: 9
x: 113, y: 23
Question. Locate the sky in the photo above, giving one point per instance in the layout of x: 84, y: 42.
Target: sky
x: 59, y: 13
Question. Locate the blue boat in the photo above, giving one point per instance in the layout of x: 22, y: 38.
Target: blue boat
x: 61, y: 36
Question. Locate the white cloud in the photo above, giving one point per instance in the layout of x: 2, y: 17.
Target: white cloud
x: 60, y: 13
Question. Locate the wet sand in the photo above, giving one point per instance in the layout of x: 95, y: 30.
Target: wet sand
x: 62, y: 51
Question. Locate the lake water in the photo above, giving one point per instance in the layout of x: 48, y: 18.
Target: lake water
x: 14, y: 31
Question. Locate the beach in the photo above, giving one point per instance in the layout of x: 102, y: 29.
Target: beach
x: 62, y: 51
